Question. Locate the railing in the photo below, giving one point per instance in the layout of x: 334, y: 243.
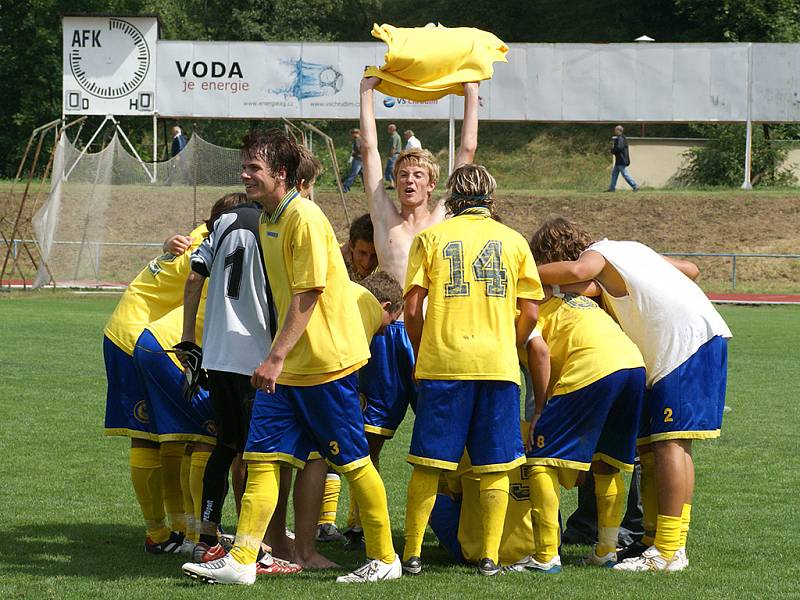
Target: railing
x: 733, y: 256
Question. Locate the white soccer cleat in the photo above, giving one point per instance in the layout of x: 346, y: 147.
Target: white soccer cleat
x: 606, y: 561
x: 650, y: 560
x: 529, y: 563
x: 374, y: 570
x: 222, y: 570
x: 679, y: 562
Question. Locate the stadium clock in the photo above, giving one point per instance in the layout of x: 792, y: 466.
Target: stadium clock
x: 109, y: 62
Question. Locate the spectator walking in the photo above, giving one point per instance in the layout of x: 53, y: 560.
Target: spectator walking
x: 178, y: 140
x: 622, y: 160
x: 355, y: 160
x: 392, y: 152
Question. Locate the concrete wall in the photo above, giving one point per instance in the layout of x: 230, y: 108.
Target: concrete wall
x: 655, y: 162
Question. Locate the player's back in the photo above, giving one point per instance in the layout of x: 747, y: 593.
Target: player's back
x: 157, y: 289
x: 665, y: 313
x: 240, y: 317
x: 474, y: 269
x: 585, y: 343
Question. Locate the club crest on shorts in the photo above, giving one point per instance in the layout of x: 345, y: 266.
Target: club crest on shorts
x: 210, y: 426
x: 140, y: 412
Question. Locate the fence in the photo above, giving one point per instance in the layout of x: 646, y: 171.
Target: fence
x: 733, y: 256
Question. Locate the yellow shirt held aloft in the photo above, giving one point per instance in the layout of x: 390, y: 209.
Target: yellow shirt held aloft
x: 428, y: 63
x: 585, y: 343
x: 474, y: 269
x: 155, y: 291
x: 301, y: 254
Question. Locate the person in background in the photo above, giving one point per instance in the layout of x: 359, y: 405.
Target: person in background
x: 392, y: 152
x: 622, y: 160
x: 355, y: 160
x: 412, y: 141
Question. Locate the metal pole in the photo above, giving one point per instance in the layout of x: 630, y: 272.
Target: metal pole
x: 451, y: 158
x: 733, y: 273
x: 748, y: 148
x: 155, y: 147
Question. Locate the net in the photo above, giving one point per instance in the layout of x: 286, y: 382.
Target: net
x: 108, y: 213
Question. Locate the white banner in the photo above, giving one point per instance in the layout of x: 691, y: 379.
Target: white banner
x: 116, y: 66
x: 109, y: 65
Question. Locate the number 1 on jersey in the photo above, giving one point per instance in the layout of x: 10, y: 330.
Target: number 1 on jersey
x: 234, y: 260
x: 487, y: 267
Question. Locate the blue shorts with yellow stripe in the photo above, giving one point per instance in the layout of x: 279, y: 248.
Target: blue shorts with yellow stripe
x: 689, y: 402
x: 482, y: 416
x: 386, y: 382
x: 296, y: 424
x: 597, y: 422
x: 126, y: 405
x: 173, y: 419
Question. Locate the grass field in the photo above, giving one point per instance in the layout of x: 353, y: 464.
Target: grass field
x: 71, y: 527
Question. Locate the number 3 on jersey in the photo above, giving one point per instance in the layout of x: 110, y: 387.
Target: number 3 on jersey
x: 487, y: 267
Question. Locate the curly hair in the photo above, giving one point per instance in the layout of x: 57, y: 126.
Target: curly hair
x: 276, y: 149
x: 470, y: 186
x: 361, y: 229
x: 385, y: 288
x: 559, y: 239
x: 421, y: 158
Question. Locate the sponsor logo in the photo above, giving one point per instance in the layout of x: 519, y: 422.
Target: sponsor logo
x: 388, y: 102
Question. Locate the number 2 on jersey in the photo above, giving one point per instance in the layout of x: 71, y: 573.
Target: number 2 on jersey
x: 487, y: 267
x: 234, y: 260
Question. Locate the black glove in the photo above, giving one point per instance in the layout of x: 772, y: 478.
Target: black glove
x: 196, y: 377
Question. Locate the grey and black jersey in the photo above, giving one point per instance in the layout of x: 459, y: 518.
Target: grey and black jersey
x: 240, y: 319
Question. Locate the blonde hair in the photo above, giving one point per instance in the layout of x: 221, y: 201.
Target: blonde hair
x: 420, y: 158
x: 559, y: 239
x: 470, y: 186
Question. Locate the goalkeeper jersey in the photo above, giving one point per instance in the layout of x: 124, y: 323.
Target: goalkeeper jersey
x: 240, y: 320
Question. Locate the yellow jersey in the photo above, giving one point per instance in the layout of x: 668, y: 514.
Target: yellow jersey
x: 474, y: 270
x: 585, y: 343
x: 155, y: 291
x: 369, y: 308
x: 428, y: 63
x: 301, y: 254
x: 168, y: 330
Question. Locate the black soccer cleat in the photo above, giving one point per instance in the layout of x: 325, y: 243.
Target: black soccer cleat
x: 487, y: 568
x: 171, y: 546
x: 412, y: 566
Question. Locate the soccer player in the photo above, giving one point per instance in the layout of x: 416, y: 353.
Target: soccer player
x: 683, y: 341
x: 589, y: 381
x: 359, y: 252
x: 475, y: 274
x: 175, y: 418
x: 155, y: 291
x: 307, y: 400
x: 307, y: 172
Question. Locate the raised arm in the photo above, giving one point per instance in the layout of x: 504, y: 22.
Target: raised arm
x: 587, y: 267
x: 469, y: 128
x: 381, y: 209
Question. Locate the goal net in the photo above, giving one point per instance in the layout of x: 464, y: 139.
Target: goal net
x: 108, y: 213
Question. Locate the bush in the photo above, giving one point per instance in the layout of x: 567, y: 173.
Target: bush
x: 721, y: 161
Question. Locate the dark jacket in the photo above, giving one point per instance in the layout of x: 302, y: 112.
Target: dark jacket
x: 178, y: 144
x: 619, y: 149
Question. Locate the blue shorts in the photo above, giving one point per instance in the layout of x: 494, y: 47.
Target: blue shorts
x: 597, y: 422
x: 386, y: 382
x: 126, y: 405
x: 173, y: 419
x: 688, y: 403
x: 481, y: 415
x: 297, y: 423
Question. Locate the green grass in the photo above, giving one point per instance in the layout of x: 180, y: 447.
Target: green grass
x: 71, y: 527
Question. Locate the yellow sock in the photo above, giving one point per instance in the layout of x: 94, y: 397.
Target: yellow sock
x: 330, y: 499
x: 649, y: 498
x: 196, y: 473
x: 366, y: 486
x: 145, y: 465
x: 494, y: 503
x: 545, y: 497
x: 668, y: 535
x: 609, y: 491
x: 171, y: 459
x: 186, y: 491
x: 421, y: 497
x: 258, y: 504
x: 686, y: 517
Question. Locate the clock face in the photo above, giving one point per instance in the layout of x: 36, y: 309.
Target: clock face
x: 112, y: 62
